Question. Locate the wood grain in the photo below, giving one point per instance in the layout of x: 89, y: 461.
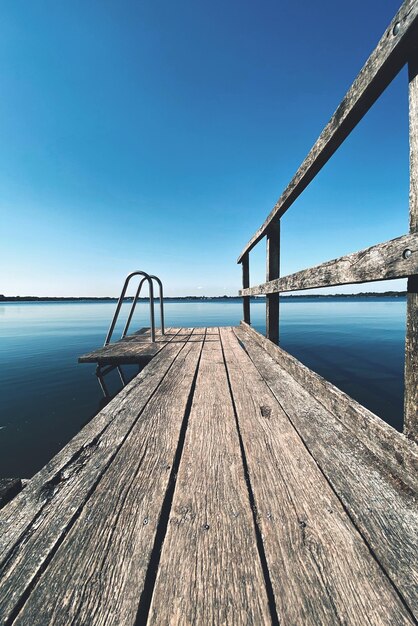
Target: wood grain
x: 393, y: 449
x: 245, y: 284
x: 384, y: 511
x: 35, y: 522
x: 28, y: 504
x: 147, y: 513
x: 397, y: 258
x: 9, y: 488
x: 272, y: 273
x: 98, y: 572
x: 390, y: 54
x: 411, y: 339
x: 210, y: 572
x: 321, y: 570
x: 131, y: 349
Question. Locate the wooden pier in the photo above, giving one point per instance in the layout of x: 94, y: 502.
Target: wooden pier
x: 131, y: 350
x: 227, y: 483
x: 202, y: 493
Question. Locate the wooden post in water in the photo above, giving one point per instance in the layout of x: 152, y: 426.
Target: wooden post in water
x: 245, y: 284
x: 411, y: 340
x: 272, y: 272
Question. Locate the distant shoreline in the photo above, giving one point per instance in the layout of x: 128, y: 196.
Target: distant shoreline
x: 366, y: 294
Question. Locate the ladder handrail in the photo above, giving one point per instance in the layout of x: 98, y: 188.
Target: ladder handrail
x: 138, y: 291
x: 148, y: 278
x: 160, y: 285
x: 131, y: 312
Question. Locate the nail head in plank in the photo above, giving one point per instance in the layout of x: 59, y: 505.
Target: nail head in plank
x: 394, y: 450
x: 210, y: 572
x: 383, y: 510
x: 320, y: 567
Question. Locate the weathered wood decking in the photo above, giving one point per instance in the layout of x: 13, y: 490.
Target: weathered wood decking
x: 135, y: 348
x: 215, y: 489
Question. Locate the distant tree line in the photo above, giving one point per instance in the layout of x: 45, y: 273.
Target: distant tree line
x: 363, y: 294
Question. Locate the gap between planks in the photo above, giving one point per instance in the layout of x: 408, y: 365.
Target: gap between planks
x: 383, y: 510
x: 210, y: 571
x: 321, y: 569
x: 38, y: 521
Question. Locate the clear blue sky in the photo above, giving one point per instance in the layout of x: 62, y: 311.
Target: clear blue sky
x: 157, y: 135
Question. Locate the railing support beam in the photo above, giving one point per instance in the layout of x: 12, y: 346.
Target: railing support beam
x: 245, y: 284
x: 411, y: 339
x: 272, y: 272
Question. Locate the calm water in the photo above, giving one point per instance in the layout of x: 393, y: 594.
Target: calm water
x: 47, y: 396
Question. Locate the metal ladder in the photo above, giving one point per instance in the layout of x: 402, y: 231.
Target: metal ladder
x: 148, y: 278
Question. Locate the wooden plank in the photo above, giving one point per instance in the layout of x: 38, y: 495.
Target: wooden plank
x: 273, y: 272
x: 131, y: 349
x: 36, y: 521
x: 126, y: 354
x: 321, y: 570
x: 394, y: 450
x: 9, y: 488
x: 397, y: 258
x: 210, y: 571
x: 97, y: 574
x: 390, y: 54
x: 29, y: 503
x: 411, y: 339
x: 245, y: 284
x: 139, y: 342
x: 411, y: 361
x: 384, y: 512
x: 211, y: 330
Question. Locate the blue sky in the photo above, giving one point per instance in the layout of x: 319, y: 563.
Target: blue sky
x: 157, y: 135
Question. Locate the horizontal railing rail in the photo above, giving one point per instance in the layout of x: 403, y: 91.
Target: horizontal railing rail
x: 387, y: 59
x: 397, y: 258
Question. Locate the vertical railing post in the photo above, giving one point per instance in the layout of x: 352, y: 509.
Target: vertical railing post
x: 411, y: 340
x: 272, y: 272
x: 245, y: 284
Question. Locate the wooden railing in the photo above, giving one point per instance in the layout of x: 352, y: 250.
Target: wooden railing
x: 397, y: 258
